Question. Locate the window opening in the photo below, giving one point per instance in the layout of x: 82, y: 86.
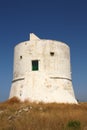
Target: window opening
x: 20, y: 57
x: 35, y: 65
x: 20, y: 93
x: 52, y: 53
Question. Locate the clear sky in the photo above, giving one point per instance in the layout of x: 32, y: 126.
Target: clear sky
x: 63, y: 20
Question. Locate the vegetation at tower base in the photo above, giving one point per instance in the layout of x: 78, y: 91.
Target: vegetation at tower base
x: 17, y: 115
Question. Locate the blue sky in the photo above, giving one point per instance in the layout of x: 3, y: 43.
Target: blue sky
x: 63, y: 20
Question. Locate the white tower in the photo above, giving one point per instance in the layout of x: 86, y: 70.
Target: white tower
x: 42, y: 71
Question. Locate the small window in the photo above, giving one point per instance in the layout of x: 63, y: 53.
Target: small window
x: 20, y: 93
x: 20, y: 57
x: 52, y: 53
x: 35, y: 65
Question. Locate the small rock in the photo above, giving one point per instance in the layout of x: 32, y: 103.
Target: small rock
x: 30, y: 107
x: 26, y: 109
x: 11, y: 117
x: 20, y: 111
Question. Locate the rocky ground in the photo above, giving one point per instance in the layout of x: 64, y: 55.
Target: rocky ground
x: 16, y: 115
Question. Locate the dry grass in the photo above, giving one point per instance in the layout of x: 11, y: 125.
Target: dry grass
x: 16, y: 115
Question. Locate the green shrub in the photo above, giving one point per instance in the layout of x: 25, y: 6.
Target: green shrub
x: 73, y: 125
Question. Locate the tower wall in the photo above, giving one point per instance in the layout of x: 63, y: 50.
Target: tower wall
x: 42, y: 71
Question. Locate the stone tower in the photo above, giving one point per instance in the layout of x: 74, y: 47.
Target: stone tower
x: 42, y: 71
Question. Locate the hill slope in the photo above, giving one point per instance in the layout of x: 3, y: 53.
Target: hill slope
x: 16, y: 115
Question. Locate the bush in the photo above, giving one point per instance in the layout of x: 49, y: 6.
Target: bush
x: 73, y: 125
x: 13, y: 100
